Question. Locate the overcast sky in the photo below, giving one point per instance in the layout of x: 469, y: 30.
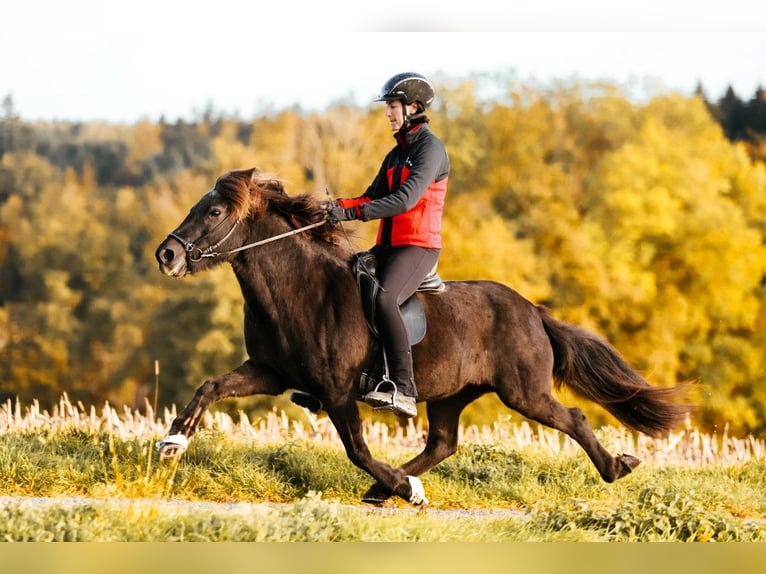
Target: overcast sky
x: 126, y: 61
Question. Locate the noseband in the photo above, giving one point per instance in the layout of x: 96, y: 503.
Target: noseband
x: 190, y: 246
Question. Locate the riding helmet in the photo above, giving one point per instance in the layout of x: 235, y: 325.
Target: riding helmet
x: 407, y: 87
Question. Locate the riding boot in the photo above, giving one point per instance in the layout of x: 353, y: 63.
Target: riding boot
x: 402, y: 373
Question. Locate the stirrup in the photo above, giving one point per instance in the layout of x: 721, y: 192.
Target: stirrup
x: 381, y: 399
x: 384, y: 381
x: 390, y: 401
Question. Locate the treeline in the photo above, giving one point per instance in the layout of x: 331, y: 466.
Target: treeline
x: 642, y: 222
x: 741, y: 120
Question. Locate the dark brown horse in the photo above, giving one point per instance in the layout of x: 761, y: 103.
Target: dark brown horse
x: 305, y: 330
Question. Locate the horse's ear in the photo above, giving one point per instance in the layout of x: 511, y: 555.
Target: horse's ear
x: 274, y: 185
x: 265, y: 181
x: 254, y: 173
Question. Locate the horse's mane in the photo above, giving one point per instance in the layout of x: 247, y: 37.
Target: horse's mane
x: 251, y: 193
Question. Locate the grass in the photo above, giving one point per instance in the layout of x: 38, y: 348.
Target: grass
x: 310, y: 519
x: 279, y: 480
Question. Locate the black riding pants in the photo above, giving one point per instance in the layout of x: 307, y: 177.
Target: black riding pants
x: 402, y: 271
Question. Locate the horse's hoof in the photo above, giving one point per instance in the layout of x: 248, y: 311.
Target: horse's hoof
x: 307, y: 401
x: 625, y: 464
x: 418, y: 495
x: 377, y: 494
x: 172, y: 446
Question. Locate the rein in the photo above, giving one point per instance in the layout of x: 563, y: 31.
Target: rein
x: 211, y: 251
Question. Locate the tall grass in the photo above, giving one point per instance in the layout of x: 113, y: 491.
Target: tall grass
x: 687, y: 446
x: 279, y: 479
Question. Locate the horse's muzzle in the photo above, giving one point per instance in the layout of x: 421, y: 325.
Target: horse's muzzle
x: 171, y: 263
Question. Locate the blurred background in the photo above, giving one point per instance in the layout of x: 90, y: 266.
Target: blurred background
x: 610, y: 166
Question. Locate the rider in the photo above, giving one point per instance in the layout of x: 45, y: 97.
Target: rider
x: 407, y: 196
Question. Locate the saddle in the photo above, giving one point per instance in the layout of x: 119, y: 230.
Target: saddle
x: 364, y: 269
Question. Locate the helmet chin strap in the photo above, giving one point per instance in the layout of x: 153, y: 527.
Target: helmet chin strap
x: 407, y: 118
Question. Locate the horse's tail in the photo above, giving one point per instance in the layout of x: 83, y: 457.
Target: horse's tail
x: 593, y: 369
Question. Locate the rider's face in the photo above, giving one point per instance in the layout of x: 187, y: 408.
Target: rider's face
x: 395, y: 114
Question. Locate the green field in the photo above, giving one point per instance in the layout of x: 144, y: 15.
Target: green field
x: 280, y: 480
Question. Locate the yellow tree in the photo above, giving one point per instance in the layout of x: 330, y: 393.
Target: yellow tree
x: 43, y: 221
x: 683, y: 265
x: 535, y: 175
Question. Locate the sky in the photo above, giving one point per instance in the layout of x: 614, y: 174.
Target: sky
x: 122, y: 62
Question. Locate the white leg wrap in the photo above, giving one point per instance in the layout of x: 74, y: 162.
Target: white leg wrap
x: 418, y: 495
x: 172, y: 445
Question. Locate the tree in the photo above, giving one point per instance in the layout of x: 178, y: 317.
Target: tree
x: 15, y: 135
x: 683, y: 263
x: 733, y: 117
x: 639, y: 221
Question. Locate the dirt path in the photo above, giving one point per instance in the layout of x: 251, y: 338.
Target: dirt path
x: 242, y: 507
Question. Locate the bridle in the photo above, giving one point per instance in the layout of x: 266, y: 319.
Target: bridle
x: 190, y: 247
x: 210, y: 251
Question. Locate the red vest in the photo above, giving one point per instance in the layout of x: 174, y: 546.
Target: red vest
x: 421, y: 224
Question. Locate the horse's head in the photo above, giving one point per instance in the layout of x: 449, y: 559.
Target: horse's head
x: 213, y: 222
x: 215, y: 226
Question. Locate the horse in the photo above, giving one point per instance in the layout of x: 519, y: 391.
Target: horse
x: 305, y: 331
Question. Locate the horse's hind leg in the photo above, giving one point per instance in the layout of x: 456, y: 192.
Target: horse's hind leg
x: 443, y: 426
x: 543, y: 408
x: 243, y: 381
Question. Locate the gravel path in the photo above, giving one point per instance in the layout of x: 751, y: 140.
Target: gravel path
x: 242, y: 507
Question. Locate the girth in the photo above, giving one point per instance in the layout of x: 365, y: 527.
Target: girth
x: 365, y: 269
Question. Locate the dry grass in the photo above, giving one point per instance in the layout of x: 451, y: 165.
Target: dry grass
x: 689, y: 447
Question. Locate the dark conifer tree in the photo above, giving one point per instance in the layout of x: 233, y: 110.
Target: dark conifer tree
x: 732, y: 115
x: 756, y: 112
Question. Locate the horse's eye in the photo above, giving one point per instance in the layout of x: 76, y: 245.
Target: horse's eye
x: 215, y: 212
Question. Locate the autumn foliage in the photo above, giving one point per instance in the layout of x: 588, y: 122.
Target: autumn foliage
x: 641, y: 221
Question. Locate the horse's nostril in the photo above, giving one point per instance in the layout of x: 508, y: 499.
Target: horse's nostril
x: 167, y: 255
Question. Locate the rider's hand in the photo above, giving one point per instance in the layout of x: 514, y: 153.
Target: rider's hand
x: 337, y: 213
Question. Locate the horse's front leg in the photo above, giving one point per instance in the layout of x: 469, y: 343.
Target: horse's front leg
x: 245, y: 380
x: 349, y: 426
x: 442, y: 441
